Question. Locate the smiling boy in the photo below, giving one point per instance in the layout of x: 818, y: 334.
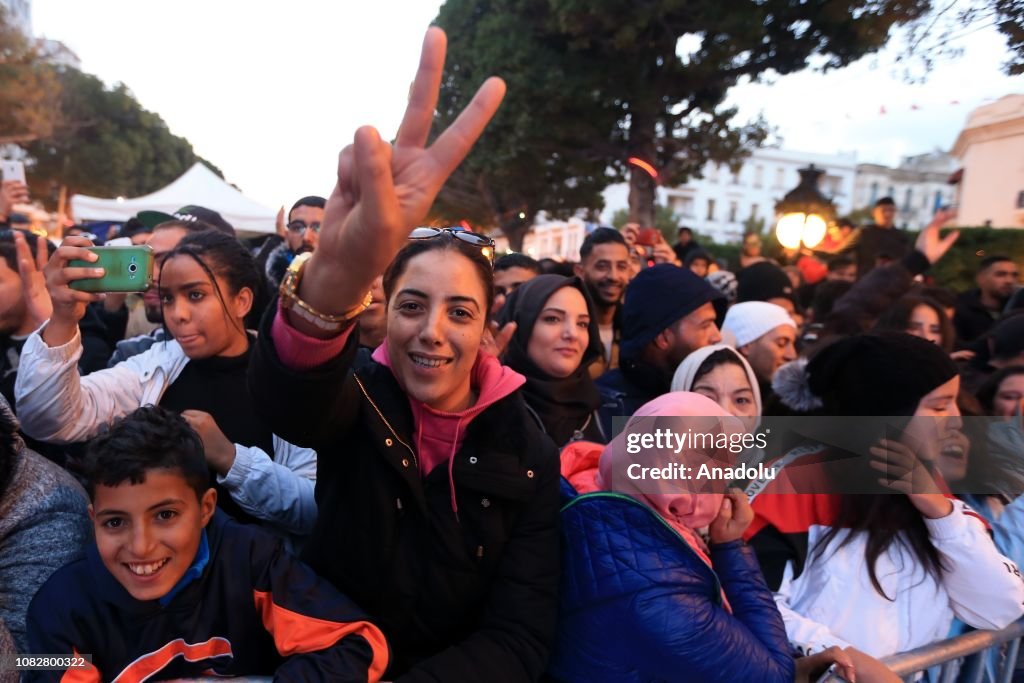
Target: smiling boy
x: 171, y: 588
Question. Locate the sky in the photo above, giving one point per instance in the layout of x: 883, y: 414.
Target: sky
x: 271, y: 92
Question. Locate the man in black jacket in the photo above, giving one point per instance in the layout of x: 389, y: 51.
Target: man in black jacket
x: 667, y: 314
x: 978, y: 309
x: 880, y: 243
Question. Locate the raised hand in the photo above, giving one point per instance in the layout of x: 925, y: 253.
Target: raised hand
x: 68, y: 304
x: 384, y: 191
x: 734, y: 517
x: 30, y: 267
x: 220, y: 452
x: 930, y: 243
x: 904, y: 472
x: 12, y: 192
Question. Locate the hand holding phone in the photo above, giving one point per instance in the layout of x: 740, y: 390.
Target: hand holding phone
x: 12, y: 171
x: 126, y: 269
x: 648, y: 237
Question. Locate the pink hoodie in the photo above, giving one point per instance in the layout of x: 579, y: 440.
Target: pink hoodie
x: 439, y: 434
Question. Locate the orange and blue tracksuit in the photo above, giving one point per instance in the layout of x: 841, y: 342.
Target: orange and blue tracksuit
x: 246, y: 607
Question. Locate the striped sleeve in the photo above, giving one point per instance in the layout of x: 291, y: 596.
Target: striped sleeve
x: 323, y: 635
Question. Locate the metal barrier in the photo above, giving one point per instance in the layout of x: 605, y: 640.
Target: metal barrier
x: 960, y: 659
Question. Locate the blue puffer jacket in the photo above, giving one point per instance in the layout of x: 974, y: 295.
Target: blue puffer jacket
x: 638, y: 604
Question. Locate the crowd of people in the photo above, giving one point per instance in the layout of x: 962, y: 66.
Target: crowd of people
x: 369, y: 451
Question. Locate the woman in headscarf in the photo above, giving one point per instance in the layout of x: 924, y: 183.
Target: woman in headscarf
x: 556, y: 339
x: 722, y: 374
x: 644, y: 597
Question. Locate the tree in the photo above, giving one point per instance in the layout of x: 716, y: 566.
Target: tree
x: 593, y: 84
x: 937, y: 34
x: 105, y: 144
x: 29, y: 90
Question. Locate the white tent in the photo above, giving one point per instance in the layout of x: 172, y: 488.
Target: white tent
x: 198, y: 186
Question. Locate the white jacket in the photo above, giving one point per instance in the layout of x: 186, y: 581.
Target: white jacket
x: 56, y: 404
x: 833, y: 602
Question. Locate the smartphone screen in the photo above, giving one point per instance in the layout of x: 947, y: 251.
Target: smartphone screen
x: 128, y: 269
x: 13, y: 170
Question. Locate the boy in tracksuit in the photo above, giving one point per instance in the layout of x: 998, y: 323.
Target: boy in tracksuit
x: 171, y: 588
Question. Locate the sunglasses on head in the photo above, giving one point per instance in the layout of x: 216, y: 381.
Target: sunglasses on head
x: 485, y: 243
x: 301, y: 226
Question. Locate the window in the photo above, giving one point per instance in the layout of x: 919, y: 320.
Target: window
x: 1020, y: 200
x: 780, y: 177
x: 753, y: 212
x: 938, y: 200
x: 736, y: 176
x: 907, y: 200
x: 711, y: 209
x: 733, y: 207
x: 874, y: 193
x: 758, y: 175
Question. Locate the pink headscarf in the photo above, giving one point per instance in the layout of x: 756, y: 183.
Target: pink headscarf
x: 686, y: 505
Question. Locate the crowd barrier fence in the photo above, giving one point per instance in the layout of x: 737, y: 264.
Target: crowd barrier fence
x: 961, y: 659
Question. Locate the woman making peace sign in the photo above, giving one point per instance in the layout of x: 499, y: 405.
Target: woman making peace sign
x: 437, y: 494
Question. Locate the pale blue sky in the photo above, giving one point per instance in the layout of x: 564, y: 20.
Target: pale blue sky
x: 270, y: 92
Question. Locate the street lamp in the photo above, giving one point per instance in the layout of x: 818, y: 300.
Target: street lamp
x: 804, y: 213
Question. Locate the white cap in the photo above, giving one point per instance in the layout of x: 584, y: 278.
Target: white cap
x: 751, y: 320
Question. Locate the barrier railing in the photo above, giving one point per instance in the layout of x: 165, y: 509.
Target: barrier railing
x: 962, y: 659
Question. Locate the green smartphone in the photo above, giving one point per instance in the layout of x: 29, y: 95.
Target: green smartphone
x: 128, y: 269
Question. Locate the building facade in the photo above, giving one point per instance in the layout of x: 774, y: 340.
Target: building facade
x: 722, y: 202
x: 559, y: 240
x: 919, y: 186
x: 991, y: 151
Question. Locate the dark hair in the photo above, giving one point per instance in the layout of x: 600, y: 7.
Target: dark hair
x: 697, y: 255
x: 839, y: 262
x: 133, y: 226
x: 987, y: 392
x: 885, y: 201
x: 845, y: 223
x: 219, y: 254
x: 885, y: 519
x: 720, y: 357
x: 443, y: 242
x: 517, y: 261
x: 682, y: 229
x: 897, y: 317
x: 825, y: 297
x: 149, y: 438
x: 990, y: 261
x: 311, y: 200
x: 600, y: 236
x: 549, y: 266
x: 940, y: 295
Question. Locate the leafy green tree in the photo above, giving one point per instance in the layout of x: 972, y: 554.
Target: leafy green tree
x: 105, y: 144
x: 29, y: 90
x: 592, y: 84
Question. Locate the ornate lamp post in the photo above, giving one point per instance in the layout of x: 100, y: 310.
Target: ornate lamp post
x: 804, y: 213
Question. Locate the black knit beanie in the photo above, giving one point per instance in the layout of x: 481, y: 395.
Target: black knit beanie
x: 882, y: 373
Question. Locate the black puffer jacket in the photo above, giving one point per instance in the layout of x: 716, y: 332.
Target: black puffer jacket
x: 472, y: 598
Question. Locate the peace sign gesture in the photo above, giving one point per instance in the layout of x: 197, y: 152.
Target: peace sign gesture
x: 384, y: 191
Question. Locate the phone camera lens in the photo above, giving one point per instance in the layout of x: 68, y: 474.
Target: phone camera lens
x: 132, y: 267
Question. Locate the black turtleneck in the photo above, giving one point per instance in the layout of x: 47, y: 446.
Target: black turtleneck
x: 218, y: 386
